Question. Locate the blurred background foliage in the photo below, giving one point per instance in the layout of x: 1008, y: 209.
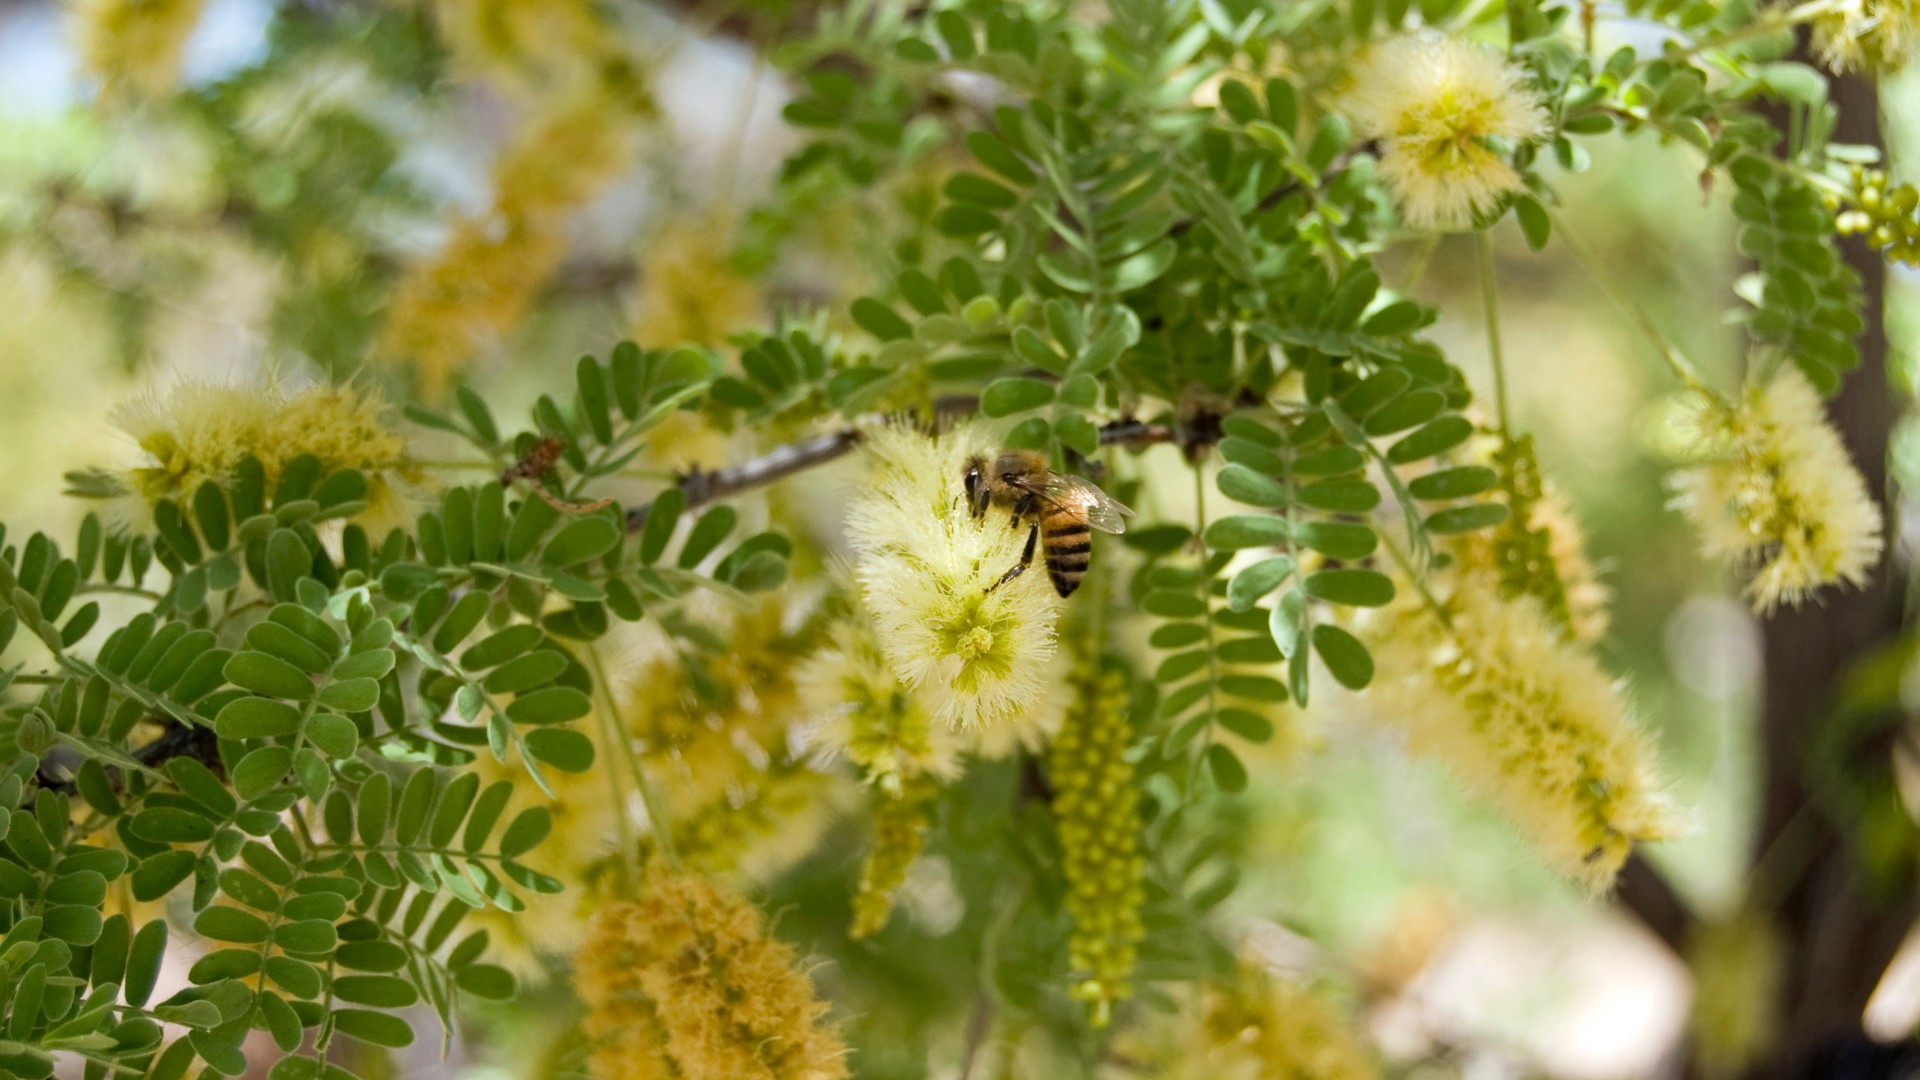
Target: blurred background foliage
x: 277, y: 203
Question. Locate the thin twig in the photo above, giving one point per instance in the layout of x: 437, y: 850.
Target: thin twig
x: 1590, y: 262
x: 702, y: 487
x: 979, y: 1026
x: 616, y: 733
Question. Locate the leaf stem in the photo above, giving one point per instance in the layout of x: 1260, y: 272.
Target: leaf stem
x: 1590, y: 262
x: 1417, y: 263
x: 1490, y: 301
x: 1206, y: 600
x: 118, y: 590
x: 1419, y: 584
x: 614, y: 730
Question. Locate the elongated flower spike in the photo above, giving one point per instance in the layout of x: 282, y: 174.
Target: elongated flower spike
x: 1525, y: 717
x: 687, y: 982
x: 1096, y: 808
x: 1775, y: 490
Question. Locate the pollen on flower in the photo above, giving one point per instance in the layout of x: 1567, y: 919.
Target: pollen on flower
x: 1876, y: 36
x: 135, y: 45
x: 1525, y: 717
x: 925, y: 565
x: 195, y: 432
x: 1775, y: 490
x: 687, y: 982
x: 1441, y: 106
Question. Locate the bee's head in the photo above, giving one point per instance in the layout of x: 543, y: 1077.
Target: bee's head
x: 975, y: 479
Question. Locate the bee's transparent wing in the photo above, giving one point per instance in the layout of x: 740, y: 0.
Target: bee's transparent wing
x: 1104, y: 512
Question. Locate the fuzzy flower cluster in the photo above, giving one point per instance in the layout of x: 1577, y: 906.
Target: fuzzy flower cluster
x: 925, y: 564
x: 1875, y: 36
x: 1776, y: 490
x: 1526, y: 718
x: 1096, y: 808
x: 716, y: 730
x: 502, y: 38
x: 686, y: 982
x: 868, y: 715
x: 1442, y: 108
x: 197, y: 432
x: 1262, y: 1027
x: 134, y: 46
x: 450, y: 308
x: 689, y: 293
x: 863, y: 712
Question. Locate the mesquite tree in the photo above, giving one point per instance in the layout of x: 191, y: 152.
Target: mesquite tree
x: 367, y: 705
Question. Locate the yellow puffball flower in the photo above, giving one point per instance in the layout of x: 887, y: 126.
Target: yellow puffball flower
x: 689, y: 294
x: 1776, y: 490
x: 1437, y: 103
x: 1874, y: 36
x: 1539, y: 549
x: 869, y: 716
x: 686, y: 982
x: 925, y: 565
x: 194, y: 432
x: 134, y: 45
x: 1525, y: 717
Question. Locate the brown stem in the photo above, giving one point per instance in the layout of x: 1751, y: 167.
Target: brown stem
x: 1842, y: 921
x: 1644, y: 891
x: 702, y: 487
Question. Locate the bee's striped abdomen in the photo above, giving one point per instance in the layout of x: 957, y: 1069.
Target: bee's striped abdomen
x: 1069, y: 544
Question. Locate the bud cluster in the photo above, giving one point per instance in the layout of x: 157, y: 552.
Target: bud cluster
x: 1883, y: 214
x: 1096, y: 807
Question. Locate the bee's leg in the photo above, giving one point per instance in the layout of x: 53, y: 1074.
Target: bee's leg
x: 1026, y: 559
x: 1021, y: 511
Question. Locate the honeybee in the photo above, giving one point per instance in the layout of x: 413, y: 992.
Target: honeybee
x: 1061, y: 508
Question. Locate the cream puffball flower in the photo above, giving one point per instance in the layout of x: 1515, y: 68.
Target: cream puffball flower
x: 924, y: 564
x: 1436, y: 103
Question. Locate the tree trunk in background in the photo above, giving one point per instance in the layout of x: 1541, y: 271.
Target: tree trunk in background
x: 1838, y: 941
